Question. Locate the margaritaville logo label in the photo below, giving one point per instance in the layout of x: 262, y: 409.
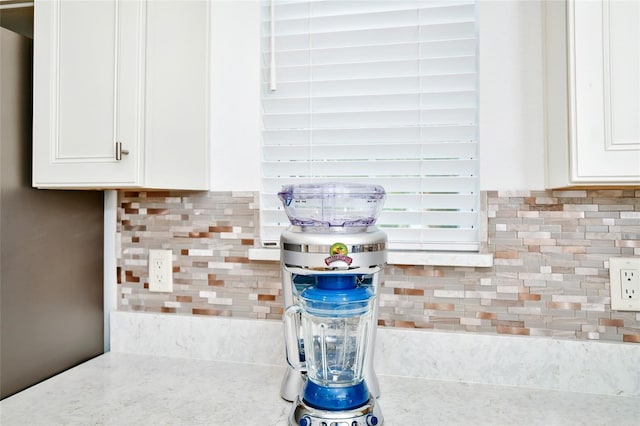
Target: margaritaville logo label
x: 338, y: 253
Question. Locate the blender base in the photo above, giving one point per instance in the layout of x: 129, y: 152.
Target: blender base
x: 367, y: 415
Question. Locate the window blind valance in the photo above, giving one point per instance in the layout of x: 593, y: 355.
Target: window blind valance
x: 377, y: 91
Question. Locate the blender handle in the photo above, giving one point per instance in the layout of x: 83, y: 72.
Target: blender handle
x: 292, y: 337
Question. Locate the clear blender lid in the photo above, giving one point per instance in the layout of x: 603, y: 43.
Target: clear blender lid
x: 332, y: 204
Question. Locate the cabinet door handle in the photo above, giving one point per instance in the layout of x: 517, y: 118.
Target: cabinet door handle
x: 120, y: 152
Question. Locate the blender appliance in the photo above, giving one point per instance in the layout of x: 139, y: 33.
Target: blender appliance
x: 332, y: 256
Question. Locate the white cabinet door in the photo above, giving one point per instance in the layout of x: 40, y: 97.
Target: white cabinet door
x: 134, y: 73
x: 593, y: 92
x: 86, y: 92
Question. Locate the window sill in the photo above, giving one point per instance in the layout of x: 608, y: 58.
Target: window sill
x: 405, y: 258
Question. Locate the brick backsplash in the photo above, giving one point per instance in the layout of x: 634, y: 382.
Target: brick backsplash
x: 550, y: 276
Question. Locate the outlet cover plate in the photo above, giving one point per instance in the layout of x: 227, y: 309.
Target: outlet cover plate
x: 616, y: 266
x: 160, y: 271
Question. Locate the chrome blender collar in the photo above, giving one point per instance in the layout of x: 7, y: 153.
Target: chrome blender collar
x: 318, y: 248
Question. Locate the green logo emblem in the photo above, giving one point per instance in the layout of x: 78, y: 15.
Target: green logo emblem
x: 338, y: 249
x: 338, y: 253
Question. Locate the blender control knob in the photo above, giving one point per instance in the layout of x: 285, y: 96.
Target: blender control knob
x: 305, y: 421
x: 372, y: 420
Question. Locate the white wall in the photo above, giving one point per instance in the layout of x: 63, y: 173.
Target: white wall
x: 511, y: 95
x: 235, y: 125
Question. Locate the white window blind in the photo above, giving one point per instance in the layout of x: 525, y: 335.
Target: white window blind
x: 377, y: 91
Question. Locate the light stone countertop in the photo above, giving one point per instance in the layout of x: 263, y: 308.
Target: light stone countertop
x: 125, y: 389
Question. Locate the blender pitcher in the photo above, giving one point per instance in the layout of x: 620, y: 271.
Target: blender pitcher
x: 335, y: 319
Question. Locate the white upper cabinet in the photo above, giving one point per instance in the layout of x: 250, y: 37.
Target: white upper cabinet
x: 592, y: 92
x: 121, y: 94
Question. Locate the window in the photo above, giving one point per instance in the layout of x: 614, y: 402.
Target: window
x: 380, y: 92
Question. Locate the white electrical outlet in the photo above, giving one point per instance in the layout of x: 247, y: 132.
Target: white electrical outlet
x: 624, y: 274
x: 630, y: 284
x: 160, y: 271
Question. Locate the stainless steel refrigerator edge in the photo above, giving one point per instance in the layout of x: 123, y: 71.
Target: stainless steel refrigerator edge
x: 51, y: 251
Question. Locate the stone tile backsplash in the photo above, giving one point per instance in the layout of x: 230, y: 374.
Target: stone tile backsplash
x: 550, y: 276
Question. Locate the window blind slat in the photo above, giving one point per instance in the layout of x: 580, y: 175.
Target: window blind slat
x: 369, y: 136
x: 412, y: 220
x: 404, y: 238
x: 396, y: 184
x: 343, y: 119
x: 374, y: 152
x: 332, y: 15
x: 406, y: 202
x: 428, y: 83
x: 376, y: 91
x: 361, y: 91
x: 429, y: 220
x: 364, y: 37
x: 379, y: 53
x: 382, y: 102
x: 432, y: 167
x: 401, y: 68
